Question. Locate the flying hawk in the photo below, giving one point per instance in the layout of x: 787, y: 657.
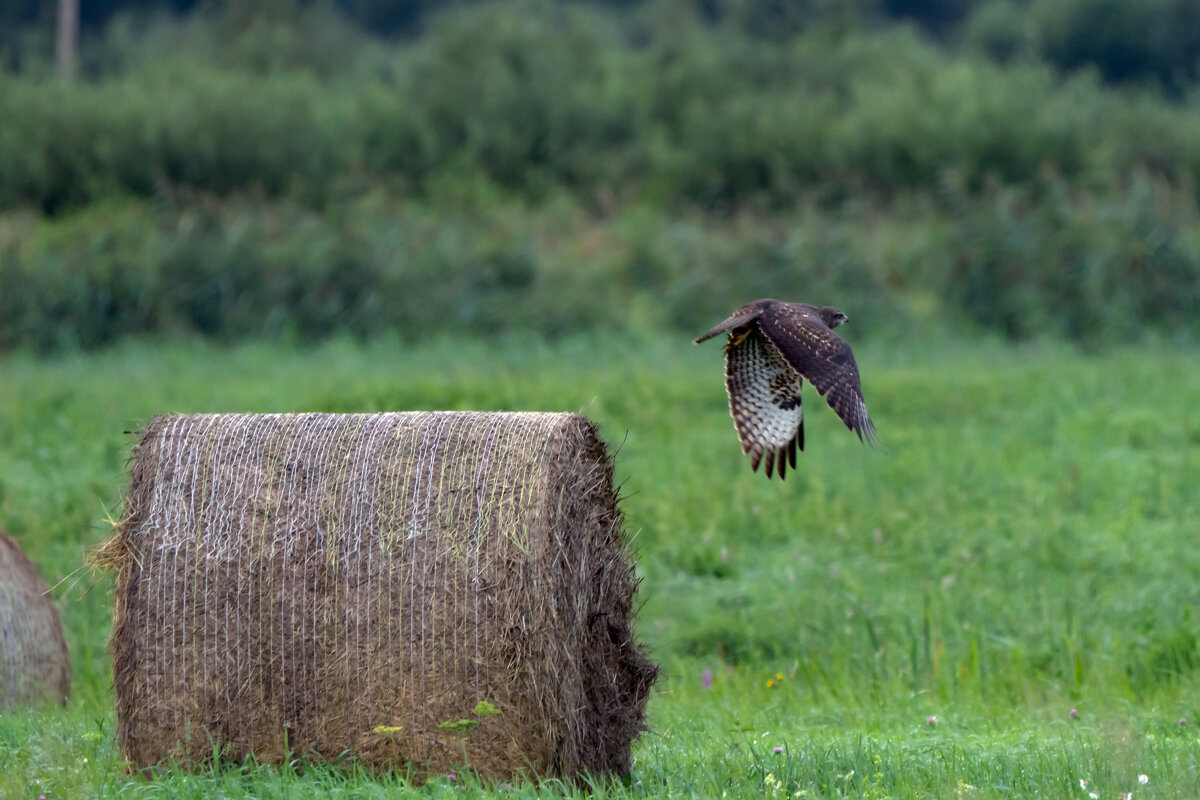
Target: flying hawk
x: 772, y: 347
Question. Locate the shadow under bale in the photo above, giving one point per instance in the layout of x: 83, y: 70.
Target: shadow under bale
x: 422, y: 589
x: 34, y: 664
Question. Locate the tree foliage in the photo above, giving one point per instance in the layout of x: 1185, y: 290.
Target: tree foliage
x: 523, y: 165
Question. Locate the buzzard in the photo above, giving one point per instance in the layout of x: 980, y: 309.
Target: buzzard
x: 773, y: 346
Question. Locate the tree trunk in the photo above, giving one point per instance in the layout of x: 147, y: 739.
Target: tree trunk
x: 68, y: 38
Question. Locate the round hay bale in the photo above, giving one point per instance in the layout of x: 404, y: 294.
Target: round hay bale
x: 34, y: 664
x: 421, y: 589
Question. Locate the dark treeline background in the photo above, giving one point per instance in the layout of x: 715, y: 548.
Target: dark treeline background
x: 1157, y: 40
x: 304, y: 170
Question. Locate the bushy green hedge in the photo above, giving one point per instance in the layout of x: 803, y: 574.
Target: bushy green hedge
x: 1089, y: 268
x: 187, y: 128
x: 513, y: 169
x: 248, y: 269
x: 534, y: 102
x: 1043, y: 261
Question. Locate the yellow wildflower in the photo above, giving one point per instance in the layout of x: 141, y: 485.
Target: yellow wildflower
x: 387, y: 730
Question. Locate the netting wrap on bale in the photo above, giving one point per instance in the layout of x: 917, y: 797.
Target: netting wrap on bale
x: 422, y: 589
x: 34, y: 666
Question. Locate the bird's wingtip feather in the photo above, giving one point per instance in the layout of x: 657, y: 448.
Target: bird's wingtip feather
x: 868, y: 435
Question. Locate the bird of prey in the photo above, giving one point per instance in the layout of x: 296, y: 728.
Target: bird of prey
x: 773, y: 346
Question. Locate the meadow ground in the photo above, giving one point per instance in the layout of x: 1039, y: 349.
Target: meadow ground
x: 917, y: 620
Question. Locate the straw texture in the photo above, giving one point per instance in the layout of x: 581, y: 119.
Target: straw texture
x: 34, y: 665
x: 421, y: 589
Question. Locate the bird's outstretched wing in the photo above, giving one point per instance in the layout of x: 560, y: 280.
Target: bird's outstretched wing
x: 764, y: 400
x: 821, y: 356
x: 743, y: 316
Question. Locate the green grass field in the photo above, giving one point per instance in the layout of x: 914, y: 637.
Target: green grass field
x: 1024, y: 543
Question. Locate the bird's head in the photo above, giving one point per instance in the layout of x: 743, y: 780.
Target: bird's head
x: 833, y: 316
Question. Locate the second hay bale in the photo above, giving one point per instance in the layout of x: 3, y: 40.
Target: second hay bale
x: 317, y: 583
x: 34, y: 664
